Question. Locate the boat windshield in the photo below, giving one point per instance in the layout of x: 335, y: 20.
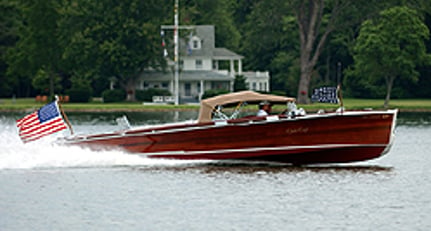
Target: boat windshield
x: 211, y: 105
x: 218, y: 113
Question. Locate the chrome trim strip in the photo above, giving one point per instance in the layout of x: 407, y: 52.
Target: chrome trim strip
x: 218, y: 125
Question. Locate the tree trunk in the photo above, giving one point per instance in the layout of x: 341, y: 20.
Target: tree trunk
x: 304, y: 83
x: 389, y: 84
x: 309, y: 18
x: 51, y: 85
x: 130, y: 89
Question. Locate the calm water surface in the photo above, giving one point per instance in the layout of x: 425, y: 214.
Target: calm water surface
x: 46, y: 187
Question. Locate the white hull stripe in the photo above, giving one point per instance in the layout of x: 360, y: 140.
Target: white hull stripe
x: 261, y: 149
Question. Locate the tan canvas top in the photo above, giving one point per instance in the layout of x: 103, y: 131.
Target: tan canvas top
x: 208, y: 105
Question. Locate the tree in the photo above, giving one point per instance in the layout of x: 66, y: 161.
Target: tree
x: 9, y: 20
x: 217, y: 13
x: 263, y: 34
x: 239, y: 83
x: 38, y: 46
x: 112, y: 39
x: 316, y: 20
x: 270, y: 42
x: 391, y: 47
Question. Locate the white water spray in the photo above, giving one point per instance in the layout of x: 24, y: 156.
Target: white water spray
x: 14, y: 154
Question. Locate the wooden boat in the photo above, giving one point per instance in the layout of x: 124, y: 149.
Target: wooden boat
x: 291, y: 137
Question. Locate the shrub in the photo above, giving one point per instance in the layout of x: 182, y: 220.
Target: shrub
x: 147, y: 95
x: 80, y: 95
x: 116, y: 95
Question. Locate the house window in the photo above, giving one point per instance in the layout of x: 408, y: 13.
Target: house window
x: 195, y: 44
x: 187, y: 89
x: 198, y: 64
x: 253, y: 86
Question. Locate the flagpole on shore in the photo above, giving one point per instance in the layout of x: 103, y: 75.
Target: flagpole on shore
x: 176, y: 77
x: 176, y: 27
x: 339, y: 91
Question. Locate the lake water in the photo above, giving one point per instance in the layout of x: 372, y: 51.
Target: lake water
x: 47, y: 187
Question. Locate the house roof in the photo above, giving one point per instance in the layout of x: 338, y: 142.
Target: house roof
x: 206, y: 34
x: 223, y: 53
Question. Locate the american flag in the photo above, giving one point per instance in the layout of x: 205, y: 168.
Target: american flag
x: 43, y: 122
x: 325, y: 95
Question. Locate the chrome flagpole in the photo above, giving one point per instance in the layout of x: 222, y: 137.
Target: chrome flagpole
x: 63, y: 114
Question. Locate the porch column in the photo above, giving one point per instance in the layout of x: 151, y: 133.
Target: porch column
x: 171, y: 87
x: 232, y: 68
x: 239, y: 67
x: 141, y: 85
x: 202, y: 90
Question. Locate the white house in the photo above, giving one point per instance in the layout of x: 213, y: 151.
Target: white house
x: 203, y: 67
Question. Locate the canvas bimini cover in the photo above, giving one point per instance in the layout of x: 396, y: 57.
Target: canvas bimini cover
x: 208, y: 105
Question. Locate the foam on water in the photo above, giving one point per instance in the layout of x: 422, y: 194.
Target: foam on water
x: 14, y: 154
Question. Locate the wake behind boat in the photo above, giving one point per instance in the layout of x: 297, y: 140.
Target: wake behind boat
x: 289, y: 137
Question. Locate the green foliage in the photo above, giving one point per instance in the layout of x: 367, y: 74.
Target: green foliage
x: 38, y: 45
x: 239, y: 83
x: 266, y: 33
x: 147, y: 95
x: 81, y: 90
x: 9, y: 21
x: 97, y: 40
x: 113, y: 38
x: 280, y: 93
x: 217, y: 13
x: 41, y: 82
x: 212, y: 93
x: 79, y: 95
x: 389, y: 47
x: 116, y: 95
x: 286, y: 71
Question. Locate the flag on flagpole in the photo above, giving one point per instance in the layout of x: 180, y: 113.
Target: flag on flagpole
x: 165, y: 52
x: 45, y: 121
x: 325, y: 95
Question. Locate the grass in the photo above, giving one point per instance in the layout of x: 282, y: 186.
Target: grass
x: 402, y: 104
x: 29, y: 104
x: 21, y: 104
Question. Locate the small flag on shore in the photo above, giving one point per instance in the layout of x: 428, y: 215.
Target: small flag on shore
x: 189, y: 44
x: 43, y: 122
x: 325, y: 95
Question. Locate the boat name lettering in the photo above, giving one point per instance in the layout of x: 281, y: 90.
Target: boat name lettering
x: 291, y: 131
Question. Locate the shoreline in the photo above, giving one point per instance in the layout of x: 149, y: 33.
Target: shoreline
x: 107, y: 110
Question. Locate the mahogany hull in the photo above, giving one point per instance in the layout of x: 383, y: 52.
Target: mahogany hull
x: 327, y: 138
